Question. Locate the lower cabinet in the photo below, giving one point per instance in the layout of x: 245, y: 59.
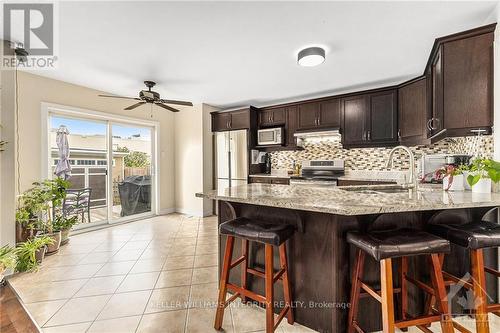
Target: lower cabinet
x: 348, y: 182
x: 269, y: 180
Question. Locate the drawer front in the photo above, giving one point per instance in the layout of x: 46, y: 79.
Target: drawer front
x: 280, y: 181
x: 260, y: 180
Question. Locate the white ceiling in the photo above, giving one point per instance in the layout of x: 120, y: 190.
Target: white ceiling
x: 238, y: 53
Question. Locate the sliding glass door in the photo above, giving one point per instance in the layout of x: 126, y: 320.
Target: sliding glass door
x: 113, y: 163
x: 88, y: 156
x: 132, y: 166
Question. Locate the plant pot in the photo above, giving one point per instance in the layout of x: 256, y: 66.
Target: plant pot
x: 466, y: 184
x: 65, y: 236
x: 482, y: 186
x: 456, y: 185
x: 40, y: 254
x: 23, y: 233
x: 53, y: 248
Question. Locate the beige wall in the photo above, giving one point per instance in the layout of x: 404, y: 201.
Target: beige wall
x: 33, y: 90
x: 7, y: 157
x: 193, y: 160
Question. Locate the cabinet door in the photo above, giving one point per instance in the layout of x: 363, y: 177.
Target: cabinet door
x: 239, y: 120
x: 468, y: 82
x: 308, y: 115
x: 291, y: 126
x: 436, y: 122
x: 383, y: 117
x: 265, y: 117
x: 329, y: 113
x: 220, y: 121
x: 354, y: 113
x: 412, y: 110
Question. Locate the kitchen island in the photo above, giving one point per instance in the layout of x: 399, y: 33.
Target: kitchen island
x: 320, y: 259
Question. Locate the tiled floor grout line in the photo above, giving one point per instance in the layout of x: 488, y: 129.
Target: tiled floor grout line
x: 191, y: 283
x: 114, y: 293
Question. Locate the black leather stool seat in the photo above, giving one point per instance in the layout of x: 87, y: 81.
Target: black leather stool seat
x: 258, y: 230
x: 473, y: 235
x: 398, y: 243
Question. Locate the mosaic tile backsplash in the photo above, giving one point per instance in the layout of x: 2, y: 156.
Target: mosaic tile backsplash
x: 376, y: 158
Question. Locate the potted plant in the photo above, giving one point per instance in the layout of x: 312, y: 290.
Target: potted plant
x: 452, y: 178
x: 64, y: 225
x: 31, y: 253
x: 7, y: 259
x: 482, y: 173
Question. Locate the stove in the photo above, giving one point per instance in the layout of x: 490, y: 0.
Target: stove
x: 319, y: 172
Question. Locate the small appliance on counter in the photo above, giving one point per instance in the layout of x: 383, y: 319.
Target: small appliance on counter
x: 267, y: 162
x: 320, y: 172
x: 430, y: 164
x: 270, y: 136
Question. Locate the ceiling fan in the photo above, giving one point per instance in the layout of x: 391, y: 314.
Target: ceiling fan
x: 149, y: 96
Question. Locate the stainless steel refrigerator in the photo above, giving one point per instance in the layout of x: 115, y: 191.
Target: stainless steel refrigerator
x: 231, y: 152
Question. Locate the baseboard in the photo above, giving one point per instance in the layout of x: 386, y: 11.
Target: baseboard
x: 198, y: 213
x: 166, y: 211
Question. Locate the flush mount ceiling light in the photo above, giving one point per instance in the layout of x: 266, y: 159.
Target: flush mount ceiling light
x: 311, y: 56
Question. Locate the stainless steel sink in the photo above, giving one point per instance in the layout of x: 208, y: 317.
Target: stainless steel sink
x: 374, y: 189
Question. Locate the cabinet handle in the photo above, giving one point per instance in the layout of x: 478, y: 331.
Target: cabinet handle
x: 399, y: 134
x: 429, y: 125
x: 368, y: 135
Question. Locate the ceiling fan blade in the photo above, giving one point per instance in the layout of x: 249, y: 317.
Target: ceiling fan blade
x: 171, y: 101
x: 134, y: 106
x: 167, y: 107
x: 113, y: 96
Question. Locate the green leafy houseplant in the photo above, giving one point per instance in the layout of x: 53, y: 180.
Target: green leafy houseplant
x: 64, y: 225
x: 8, y: 259
x: 27, y: 253
x: 483, y: 168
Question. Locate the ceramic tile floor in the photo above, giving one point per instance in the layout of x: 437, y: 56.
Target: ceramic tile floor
x: 154, y: 275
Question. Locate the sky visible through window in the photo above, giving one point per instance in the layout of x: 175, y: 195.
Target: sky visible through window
x: 86, y: 127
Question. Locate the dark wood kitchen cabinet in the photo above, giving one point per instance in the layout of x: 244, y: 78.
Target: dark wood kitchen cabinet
x: 319, y: 115
x: 461, y: 70
x: 234, y: 120
x: 370, y: 120
x: 468, y: 84
x: 272, y: 117
x: 291, y: 126
x: 412, y: 112
x: 354, y: 111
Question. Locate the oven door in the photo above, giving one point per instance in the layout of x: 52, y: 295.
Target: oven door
x: 271, y: 136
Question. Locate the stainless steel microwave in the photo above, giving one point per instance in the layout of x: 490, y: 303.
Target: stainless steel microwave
x: 270, y: 136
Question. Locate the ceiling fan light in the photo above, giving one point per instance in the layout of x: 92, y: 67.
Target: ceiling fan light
x: 311, y: 56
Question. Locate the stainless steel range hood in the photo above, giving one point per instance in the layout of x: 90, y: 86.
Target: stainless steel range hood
x: 302, y: 137
x: 317, y: 134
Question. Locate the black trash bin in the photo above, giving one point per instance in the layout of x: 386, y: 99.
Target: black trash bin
x: 135, y: 195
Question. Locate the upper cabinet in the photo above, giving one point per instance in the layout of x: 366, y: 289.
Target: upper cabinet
x: 321, y: 114
x: 468, y: 83
x: 370, y: 120
x: 272, y: 117
x: 234, y: 120
x: 461, y: 69
x: 412, y: 111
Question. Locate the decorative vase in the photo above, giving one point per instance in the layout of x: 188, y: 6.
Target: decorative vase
x: 457, y: 184
x: 482, y: 186
x: 466, y: 183
x: 65, y: 236
x: 54, y: 247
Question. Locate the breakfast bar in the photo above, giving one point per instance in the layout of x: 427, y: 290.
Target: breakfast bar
x: 321, y: 259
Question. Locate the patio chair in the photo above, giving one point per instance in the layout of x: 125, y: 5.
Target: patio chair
x: 77, y: 202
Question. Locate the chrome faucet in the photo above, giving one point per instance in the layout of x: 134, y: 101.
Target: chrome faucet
x: 412, y: 182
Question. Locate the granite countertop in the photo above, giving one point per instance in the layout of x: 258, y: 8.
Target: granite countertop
x: 270, y: 175
x: 338, y: 200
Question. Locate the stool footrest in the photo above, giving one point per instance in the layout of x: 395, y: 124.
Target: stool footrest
x: 492, y: 271
x: 246, y: 293
x: 232, y: 298
x: 281, y: 315
x: 370, y: 291
x: 457, y: 280
x: 237, y: 262
x: 422, y: 320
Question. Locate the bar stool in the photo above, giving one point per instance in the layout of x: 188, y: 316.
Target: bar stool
x: 474, y: 236
x: 271, y: 234
x: 402, y: 243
